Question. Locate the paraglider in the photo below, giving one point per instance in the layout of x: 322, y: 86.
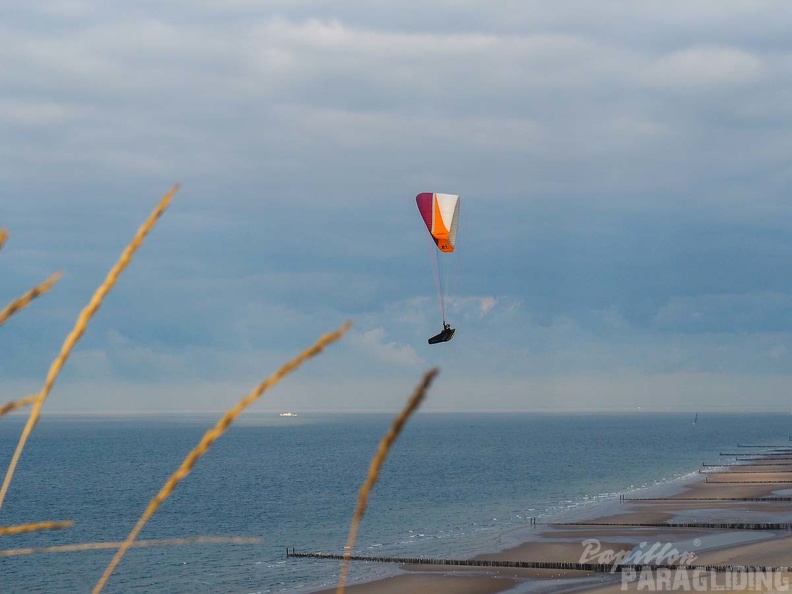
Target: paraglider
x: 440, y: 212
x: 446, y: 335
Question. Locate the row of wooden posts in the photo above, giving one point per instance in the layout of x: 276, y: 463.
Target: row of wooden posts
x: 673, y: 499
x: 567, y: 565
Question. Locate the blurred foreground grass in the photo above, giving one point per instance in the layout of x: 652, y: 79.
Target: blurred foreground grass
x: 36, y: 402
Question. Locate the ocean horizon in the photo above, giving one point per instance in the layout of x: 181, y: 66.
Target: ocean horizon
x: 454, y: 485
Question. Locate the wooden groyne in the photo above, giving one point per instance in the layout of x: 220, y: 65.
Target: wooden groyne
x: 748, y: 464
x: 755, y: 456
x: 745, y: 471
x: 684, y: 499
x: 762, y: 462
x: 558, y: 565
x: 696, y: 525
x: 747, y: 482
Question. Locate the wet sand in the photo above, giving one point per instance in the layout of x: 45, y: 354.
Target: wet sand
x: 567, y: 543
x: 441, y: 583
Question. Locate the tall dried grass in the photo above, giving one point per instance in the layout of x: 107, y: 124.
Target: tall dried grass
x: 376, y: 463
x: 22, y: 302
x: 15, y: 404
x: 96, y: 546
x: 79, y: 330
x: 38, y: 526
x: 37, y: 401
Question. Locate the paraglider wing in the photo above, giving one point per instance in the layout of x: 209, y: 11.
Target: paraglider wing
x: 440, y: 212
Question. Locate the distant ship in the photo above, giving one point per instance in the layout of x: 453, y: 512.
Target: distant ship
x: 288, y: 414
x: 695, y: 419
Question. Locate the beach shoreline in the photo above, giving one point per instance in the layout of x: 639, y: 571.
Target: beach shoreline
x: 689, y: 501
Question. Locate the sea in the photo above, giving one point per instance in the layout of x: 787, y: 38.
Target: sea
x: 453, y: 485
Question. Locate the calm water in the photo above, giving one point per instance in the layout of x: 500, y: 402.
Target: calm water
x: 454, y: 485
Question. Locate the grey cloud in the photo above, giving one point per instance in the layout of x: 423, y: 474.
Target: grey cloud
x: 725, y: 313
x: 316, y: 84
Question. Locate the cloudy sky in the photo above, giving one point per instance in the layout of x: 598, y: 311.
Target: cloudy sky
x: 624, y: 170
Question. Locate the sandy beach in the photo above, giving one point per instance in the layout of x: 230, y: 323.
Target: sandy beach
x: 692, y: 503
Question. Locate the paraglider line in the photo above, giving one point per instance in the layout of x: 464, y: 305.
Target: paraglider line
x: 434, y: 258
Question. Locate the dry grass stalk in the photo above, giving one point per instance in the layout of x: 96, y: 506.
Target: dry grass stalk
x: 15, y: 404
x: 22, y: 529
x: 24, y: 301
x: 94, y: 546
x: 376, y: 463
x: 3, y: 237
x: 79, y: 330
x: 209, y: 438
